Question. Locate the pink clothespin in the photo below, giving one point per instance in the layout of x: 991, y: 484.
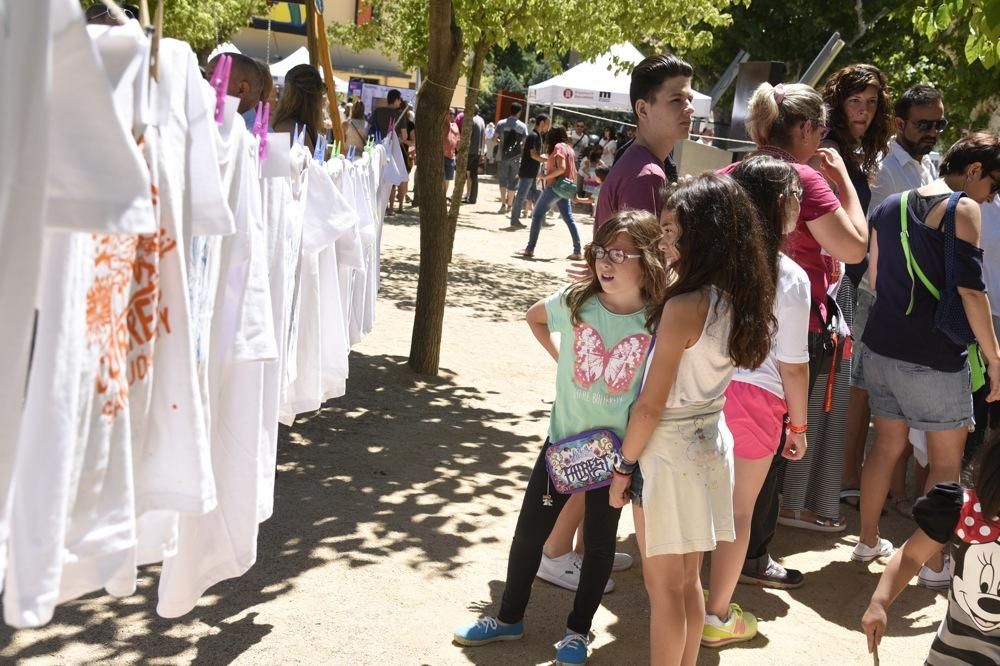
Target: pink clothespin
x: 260, y: 126
x: 220, y: 82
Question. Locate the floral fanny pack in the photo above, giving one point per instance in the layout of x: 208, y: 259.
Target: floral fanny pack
x: 583, y: 461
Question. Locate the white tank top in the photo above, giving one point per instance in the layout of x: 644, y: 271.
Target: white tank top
x: 705, y: 368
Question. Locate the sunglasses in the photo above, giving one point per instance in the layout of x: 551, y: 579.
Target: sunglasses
x: 614, y: 255
x: 995, y: 186
x: 928, y: 125
x: 107, y: 12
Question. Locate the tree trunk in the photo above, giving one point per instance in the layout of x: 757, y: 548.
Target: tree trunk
x: 462, y: 159
x: 444, y: 59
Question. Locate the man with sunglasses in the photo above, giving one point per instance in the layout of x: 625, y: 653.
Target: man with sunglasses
x: 919, y: 122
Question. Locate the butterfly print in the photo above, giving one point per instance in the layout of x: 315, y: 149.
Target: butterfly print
x: 618, y: 365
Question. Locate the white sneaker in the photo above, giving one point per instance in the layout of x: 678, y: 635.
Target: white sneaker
x: 622, y: 562
x: 935, y: 580
x: 565, y: 571
x: 865, y: 553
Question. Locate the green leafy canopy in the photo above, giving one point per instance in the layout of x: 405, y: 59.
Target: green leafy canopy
x: 552, y: 27
x: 204, y: 23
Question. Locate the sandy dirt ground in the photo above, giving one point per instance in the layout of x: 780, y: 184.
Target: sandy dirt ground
x: 396, y: 505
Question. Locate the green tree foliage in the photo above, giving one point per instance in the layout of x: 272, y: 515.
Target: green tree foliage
x: 880, y: 32
x: 203, y: 23
x: 415, y: 32
x: 980, y: 19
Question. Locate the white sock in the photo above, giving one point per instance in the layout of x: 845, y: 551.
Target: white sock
x: 715, y: 621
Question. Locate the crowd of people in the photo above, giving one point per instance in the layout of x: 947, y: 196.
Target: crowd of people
x: 737, y: 331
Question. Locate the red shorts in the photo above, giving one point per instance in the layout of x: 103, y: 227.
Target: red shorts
x: 755, y: 417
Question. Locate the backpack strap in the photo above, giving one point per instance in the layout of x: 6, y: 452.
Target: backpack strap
x: 911, y: 264
x: 977, y: 368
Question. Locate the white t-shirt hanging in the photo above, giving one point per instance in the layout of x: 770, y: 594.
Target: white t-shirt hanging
x: 223, y: 542
x: 95, y: 472
x: 791, y: 344
x: 327, y: 215
x: 186, y: 112
x: 50, y: 62
x: 335, y: 347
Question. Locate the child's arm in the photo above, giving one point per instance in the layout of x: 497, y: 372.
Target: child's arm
x: 903, y: 566
x: 680, y: 327
x: 539, y: 322
x: 795, y: 382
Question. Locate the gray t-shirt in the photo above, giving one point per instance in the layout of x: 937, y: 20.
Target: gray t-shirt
x: 476, y: 139
x: 512, y: 133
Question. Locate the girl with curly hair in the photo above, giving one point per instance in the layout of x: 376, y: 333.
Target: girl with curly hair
x: 676, y: 461
x: 860, y: 122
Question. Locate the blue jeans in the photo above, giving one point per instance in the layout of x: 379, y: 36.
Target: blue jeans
x: 546, y: 199
x: 525, y: 187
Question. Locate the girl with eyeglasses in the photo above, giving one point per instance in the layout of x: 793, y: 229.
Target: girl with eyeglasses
x: 604, y: 322
x: 916, y: 374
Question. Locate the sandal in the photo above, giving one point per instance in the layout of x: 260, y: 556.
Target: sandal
x: 851, y: 497
x: 802, y: 520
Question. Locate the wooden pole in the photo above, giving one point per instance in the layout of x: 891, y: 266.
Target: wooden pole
x: 323, y: 46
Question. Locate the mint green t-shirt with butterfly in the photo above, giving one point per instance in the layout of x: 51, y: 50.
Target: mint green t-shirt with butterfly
x: 601, y: 363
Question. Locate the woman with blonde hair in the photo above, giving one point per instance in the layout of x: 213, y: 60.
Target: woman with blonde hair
x: 301, y: 103
x: 787, y: 122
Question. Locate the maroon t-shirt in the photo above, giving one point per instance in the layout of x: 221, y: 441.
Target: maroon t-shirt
x: 634, y: 182
x: 800, y: 245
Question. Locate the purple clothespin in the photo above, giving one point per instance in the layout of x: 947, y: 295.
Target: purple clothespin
x: 220, y: 82
x: 320, y: 153
x: 350, y: 153
x: 260, y: 127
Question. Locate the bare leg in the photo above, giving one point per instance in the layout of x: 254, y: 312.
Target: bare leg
x: 665, y: 585
x: 560, y: 540
x: 694, y: 607
x: 876, y: 475
x: 728, y: 557
x: 401, y: 193
x: 858, y: 418
x: 944, y: 458
x: 898, y: 487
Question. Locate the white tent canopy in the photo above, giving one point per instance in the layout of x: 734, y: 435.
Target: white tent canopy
x: 301, y: 57
x: 596, y: 84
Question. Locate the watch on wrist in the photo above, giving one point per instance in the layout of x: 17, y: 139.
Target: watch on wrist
x: 623, y: 465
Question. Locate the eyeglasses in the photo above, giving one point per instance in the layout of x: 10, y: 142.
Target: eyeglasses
x: 615, y: 255
x: 995, y: 186
x: 927, y: 125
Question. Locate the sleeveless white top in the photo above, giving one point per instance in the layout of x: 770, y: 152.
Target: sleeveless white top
x: 705, y: 368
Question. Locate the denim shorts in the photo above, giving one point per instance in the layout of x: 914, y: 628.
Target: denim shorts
x: 449, y: 168
x: 927, y: 399
x: 507, y: 172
